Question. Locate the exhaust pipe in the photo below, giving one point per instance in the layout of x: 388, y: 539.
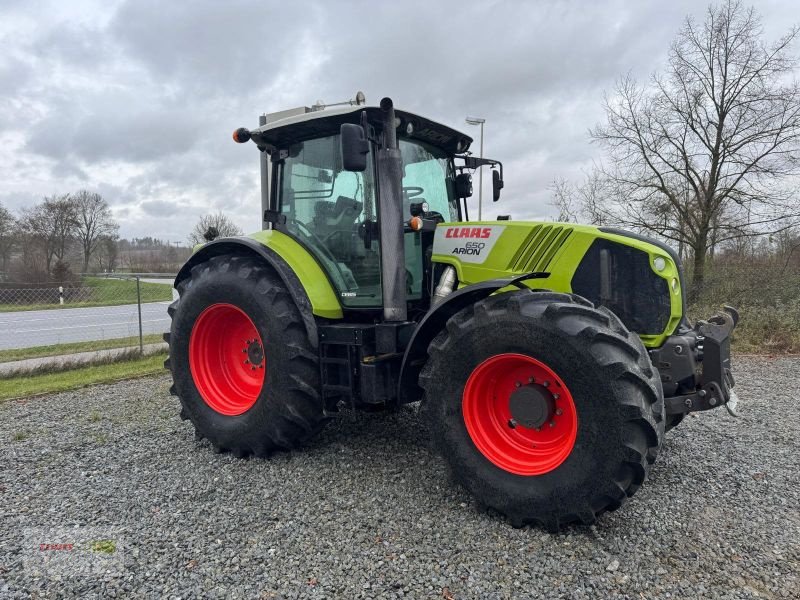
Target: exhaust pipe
x: 390, y: 204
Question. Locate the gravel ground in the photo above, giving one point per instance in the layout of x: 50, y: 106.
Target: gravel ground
x: 366, y: 511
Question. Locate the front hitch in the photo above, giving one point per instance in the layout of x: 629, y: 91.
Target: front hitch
x: 695, y: 366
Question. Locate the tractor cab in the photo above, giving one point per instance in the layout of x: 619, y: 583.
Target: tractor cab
x: 325, y: 192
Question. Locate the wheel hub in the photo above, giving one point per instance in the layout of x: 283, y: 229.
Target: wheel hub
x: 531, y: 406
x: 255, y: 353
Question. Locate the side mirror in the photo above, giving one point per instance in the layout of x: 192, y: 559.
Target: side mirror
x: 463, y: 185
x: 497, y: 185
x: 354, y: 147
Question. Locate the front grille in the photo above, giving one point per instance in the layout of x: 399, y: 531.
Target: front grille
x: 620, y: 278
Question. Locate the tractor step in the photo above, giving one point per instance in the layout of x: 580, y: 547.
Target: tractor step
x: 359, y: 363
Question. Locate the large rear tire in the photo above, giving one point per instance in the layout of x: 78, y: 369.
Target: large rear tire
x: 243, y: 364
x: 547, y: 409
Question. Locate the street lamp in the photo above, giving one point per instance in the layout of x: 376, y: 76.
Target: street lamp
x: 477, y: 121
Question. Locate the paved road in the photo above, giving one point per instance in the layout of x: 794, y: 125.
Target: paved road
x: 45, y: 327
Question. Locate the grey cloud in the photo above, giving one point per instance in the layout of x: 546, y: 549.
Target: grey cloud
x: 159, y: 208
x: 109, y: 132
x: 138, y: 99
x: 76, y: 44
x: 217, y: 48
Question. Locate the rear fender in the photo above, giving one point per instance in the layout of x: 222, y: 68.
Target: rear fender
x: 243, y: 246
x: 435, y: 320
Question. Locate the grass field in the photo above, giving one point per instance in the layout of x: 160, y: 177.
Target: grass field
x: 73, y: 347
x: 104, y: 292
x: 21, y: 387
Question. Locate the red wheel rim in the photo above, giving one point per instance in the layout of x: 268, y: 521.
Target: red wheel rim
x: 226, y: 358
x: 504, y: 400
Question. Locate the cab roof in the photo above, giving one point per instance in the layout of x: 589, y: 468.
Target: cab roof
x: 317, y: 123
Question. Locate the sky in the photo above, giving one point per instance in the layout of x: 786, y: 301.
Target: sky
x: 137, y: 99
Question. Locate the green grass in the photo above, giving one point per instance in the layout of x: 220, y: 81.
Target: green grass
x: 105, y: 292
x: 73, y: 347
x: 21, y: 387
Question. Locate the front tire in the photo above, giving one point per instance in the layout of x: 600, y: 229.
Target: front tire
x: 243, y: 364
x: 546, y: 408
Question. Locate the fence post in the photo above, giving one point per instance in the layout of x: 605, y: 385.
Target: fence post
x: 139, y: 305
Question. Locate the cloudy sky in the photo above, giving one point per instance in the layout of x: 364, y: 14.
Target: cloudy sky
x: 137, y: 99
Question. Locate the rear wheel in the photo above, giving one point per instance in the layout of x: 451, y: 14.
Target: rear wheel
x: 546, y: 408
x: 243, y: 364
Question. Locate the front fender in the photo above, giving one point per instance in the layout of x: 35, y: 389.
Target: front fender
x: 435, y: 320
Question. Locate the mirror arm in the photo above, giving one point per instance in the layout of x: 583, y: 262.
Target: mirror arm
x: 473, y: 162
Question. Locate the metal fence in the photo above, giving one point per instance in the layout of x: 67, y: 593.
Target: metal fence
x: 93, y: 312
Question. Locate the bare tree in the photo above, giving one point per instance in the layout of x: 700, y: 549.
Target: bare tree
x: 564, y: 200
x: 8, y: 236
x: 700, y: 154
x: 94, y: 222
x: 219, y: 221
x: 52, y: 224
x: 107, y: 253
x: 580, y: 202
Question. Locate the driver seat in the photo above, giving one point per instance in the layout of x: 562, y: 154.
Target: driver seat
x: 339, y: 217
x: 336, y: 216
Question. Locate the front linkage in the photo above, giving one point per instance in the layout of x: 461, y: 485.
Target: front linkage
x: 695, y: 366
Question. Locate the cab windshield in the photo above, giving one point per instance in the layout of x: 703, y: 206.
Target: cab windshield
x: 332, y: 211
x: 428, y: 177
x: 325, y: 209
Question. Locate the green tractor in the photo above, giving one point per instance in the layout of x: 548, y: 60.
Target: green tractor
x: 549, y: 358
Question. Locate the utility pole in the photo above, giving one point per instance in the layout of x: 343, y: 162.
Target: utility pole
x: 479, y: 121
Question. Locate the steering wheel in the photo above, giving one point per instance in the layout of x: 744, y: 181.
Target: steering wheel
x: 412, y: 191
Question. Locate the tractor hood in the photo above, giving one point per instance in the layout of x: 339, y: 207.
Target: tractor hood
x: 637, y: 278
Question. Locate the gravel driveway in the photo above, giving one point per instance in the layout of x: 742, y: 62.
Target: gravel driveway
x: 366, y: 511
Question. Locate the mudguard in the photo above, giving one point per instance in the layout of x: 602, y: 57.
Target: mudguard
x: 311, y: 299
x: 416, y: 352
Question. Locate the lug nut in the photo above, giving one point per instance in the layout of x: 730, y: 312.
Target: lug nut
x: 538, y: 428
x: 712, y: 401
x: 531, y: 380
x: 517, y: 384
x: 546, y: 383
x: 556, y: 396
x: 559, y: 411
x: 552, y: 423
x: 246, y: 361
x: 512, y: 423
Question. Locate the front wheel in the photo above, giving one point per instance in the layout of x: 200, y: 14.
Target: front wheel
x: 546, y: 408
